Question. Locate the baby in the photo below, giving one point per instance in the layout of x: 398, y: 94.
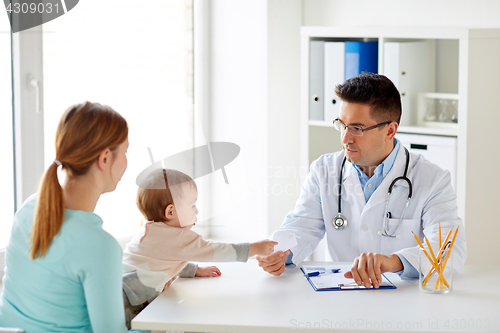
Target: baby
x: 161, y: 250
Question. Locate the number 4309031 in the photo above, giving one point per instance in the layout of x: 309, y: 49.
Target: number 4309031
x: 25, y: 8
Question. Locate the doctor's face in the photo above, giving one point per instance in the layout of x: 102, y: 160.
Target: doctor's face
x: 370, y: 149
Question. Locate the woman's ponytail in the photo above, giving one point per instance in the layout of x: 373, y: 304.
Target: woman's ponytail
x: 49, y: 212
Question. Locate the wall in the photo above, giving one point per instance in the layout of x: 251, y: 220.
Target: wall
x: 284, y: 21
x: 238, y: 109
x: 442, y: 13
x: 254, y: 62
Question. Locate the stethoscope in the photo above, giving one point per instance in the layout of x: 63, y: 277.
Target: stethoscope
x: 340, y: 222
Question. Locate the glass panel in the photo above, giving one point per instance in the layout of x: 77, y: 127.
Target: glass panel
x: 6, y: 148
x: 138, y: 60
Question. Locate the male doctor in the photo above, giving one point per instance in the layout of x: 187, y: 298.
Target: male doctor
x: 368, y: 121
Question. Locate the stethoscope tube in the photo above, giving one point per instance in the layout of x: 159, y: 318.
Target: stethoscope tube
x: 340, y: 222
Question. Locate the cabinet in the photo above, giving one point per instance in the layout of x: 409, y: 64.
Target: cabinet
x: 464, y: 63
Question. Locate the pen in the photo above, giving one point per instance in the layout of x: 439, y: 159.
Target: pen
x: 334, y: 270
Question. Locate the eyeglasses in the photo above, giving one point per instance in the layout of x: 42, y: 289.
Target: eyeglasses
x: 355, y: 130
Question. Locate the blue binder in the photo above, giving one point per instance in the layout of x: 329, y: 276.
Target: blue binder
x: 360, y: 57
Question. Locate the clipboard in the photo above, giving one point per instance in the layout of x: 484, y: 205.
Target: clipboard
x: 328, y: 281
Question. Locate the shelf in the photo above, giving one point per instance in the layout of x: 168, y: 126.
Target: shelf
x: 402, y: 129
x: 400, y: 32
x: 428, y: 130
x: 466, y: 66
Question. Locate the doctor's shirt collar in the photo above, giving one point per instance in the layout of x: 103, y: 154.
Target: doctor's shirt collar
x: 382, y: 170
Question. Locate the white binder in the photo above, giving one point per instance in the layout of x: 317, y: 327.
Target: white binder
x: 411, y: 66
x: 316, y: 80
x: 334, y: 74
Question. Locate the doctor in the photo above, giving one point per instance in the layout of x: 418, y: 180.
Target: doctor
x: 354, y: 222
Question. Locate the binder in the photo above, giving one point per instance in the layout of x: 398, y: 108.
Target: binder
x: 337, y: 281
x: 411, y: 66
x: 334, y: 74
x: 360, y: 57
x: 316, y: 80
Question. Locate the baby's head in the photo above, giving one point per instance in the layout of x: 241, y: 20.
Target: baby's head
x: 168, y: 196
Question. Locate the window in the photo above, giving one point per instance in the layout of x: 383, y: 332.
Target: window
x: 135, y: 59
x: 6, y: 138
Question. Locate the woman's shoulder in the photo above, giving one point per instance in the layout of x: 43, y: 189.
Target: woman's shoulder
x: 84, y: 229
x: 27, y: 209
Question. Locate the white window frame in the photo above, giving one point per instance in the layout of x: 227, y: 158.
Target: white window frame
x: 28, y: 121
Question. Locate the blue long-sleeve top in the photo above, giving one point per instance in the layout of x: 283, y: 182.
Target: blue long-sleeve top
x: 75, y: 287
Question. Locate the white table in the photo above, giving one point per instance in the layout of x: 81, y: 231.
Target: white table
x: 246, y: 299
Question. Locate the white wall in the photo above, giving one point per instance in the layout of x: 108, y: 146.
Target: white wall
x: 434, y: 13
x: 238, y: 108
x: 284, y: 21
x: 254, y: 102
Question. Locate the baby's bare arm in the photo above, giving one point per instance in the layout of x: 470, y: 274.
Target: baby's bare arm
x: 263, y: 248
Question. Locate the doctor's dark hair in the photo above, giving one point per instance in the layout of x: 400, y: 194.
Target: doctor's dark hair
x: 160, y: 188
x: 375, y: 90
x: 84, y: 131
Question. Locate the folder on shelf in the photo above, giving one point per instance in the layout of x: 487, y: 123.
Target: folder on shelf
x: 360, y: 57
x: 411, y: 66
x: 334, y: 74
x: 326, y: 280
x: 316, y: 80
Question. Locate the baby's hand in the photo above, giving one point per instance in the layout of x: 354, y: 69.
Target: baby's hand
x: 209, y: 271
x: 169, y: 283
x: 262, y: 248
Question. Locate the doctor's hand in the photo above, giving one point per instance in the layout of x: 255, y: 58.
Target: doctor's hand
x: 274, y: 263
x: 367, y: 269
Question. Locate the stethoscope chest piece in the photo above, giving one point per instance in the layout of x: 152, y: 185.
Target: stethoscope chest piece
x: 339, y: 222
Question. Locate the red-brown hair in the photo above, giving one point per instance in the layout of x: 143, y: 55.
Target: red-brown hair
x: 158, y: 190
x: 84, y: 131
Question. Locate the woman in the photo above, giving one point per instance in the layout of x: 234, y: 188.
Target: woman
x: 63, y: 271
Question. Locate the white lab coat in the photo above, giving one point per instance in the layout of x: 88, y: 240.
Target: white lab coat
x: 433, y: 203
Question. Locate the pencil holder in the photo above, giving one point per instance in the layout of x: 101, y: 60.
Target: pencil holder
x: 436, y: 271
